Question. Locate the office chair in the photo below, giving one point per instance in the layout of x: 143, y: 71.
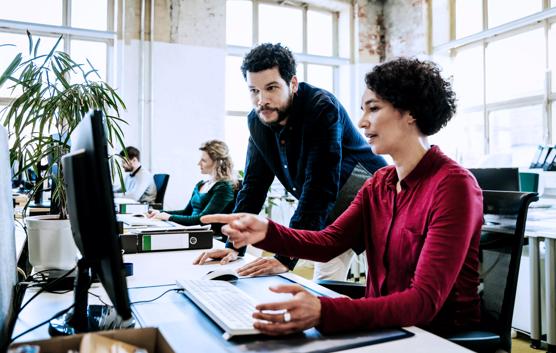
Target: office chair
x: 500, y: 254
x: 217, y: 227
x: 161, y: 183
x: 528, y: 182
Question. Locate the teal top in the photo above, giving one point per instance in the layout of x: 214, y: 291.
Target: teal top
x: 219, y: 199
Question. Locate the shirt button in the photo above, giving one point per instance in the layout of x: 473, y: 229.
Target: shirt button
x: 285, y: 166
x: 294, y: 189
x: 283, y: 142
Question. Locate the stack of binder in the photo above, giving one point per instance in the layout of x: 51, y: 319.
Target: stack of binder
x: 184, y: 238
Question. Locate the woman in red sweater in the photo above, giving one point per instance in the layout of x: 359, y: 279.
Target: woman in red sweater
x: 419, y: 221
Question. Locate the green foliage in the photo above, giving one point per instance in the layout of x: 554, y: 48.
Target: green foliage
x: 50, y: 104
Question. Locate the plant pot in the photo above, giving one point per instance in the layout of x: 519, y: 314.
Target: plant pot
x: 51, y: 244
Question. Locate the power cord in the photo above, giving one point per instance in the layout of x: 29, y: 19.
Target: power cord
x: 42, y: 323
x: 44, y: 288
x: 177, y: 290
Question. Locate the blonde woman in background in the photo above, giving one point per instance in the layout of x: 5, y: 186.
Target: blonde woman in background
x: 215, y: 195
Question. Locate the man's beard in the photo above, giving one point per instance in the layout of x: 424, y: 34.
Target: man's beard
x: 282, y: 113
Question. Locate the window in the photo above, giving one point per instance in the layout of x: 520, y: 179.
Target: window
x: 500, y: 78
x: 469, y: 17
x: 45, y: 20
x: 502, y: 11
x: 552, y: 54
x: 515, y: 66
x: 36, y: 11
x: 311, y: 33
x: 289, y: 32
x: 516, y: 132
x: 239, y: 22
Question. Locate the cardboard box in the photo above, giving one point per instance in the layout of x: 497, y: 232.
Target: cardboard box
x: 149, y: 338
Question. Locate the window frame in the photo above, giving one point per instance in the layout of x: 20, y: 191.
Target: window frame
x: 543, y: 19
x: 109, y: 37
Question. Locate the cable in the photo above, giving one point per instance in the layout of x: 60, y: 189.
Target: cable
x: 99, y: 298
x: 160, y: 296
x: 42, y: 323
x: 44, y: 288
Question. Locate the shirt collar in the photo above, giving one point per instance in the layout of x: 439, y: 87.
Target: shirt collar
x: 135, y: 171
x: 417, y: 173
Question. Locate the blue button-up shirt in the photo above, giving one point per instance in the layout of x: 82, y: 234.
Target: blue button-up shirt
x: 312, y: 155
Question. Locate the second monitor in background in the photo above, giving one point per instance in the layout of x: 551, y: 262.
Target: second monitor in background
x: 501, y: 179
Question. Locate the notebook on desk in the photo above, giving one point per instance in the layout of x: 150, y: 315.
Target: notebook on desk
x: 140, y: 221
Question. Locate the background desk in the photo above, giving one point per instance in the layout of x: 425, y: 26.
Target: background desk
x: 541, y: 225
x: 157, y: 272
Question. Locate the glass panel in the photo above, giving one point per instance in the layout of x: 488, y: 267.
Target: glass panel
x: 37, y: 11
x: 516, y: 133
x: 463, y: 138
x: 468, y: 75
x: 237, y: 93
x: 502, y: 11
x: 321, y: 76
x: 469, y: 17
x: 552, y: 54
x: 440, y: 21
x: 273, y: 28
x: 95, y: 52
x: 515, y: 73
x: 21, y: 45
x: 319, y: 33
x: 89, y: 14
x: 236, y: 135
x: 300, y: 72
x: 239, y: 22
x: 553, y: 123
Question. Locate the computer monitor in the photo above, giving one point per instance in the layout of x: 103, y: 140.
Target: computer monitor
x: 90, y: 206
x: 501, y: 179
x: 10, y: 297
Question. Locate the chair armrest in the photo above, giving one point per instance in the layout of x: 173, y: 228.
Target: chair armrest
x: 350, y: 289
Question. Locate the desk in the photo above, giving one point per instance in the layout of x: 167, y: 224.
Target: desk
x: 541, y: 224
x: 155, y: 272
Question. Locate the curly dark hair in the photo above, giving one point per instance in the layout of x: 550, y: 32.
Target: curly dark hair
x: 268, y: 55
x: 415, y: 86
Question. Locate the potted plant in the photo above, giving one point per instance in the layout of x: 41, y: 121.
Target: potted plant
x: 53, y: 94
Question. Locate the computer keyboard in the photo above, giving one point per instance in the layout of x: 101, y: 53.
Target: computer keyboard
x: 227, y: 305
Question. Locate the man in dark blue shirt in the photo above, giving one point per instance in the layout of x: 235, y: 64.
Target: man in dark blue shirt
x: 303, y: 136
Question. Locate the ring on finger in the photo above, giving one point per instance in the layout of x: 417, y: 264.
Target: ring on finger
x: 287, y: 317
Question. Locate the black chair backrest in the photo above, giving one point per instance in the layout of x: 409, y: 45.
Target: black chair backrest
x: 161, y: 182
x: 501, y: 244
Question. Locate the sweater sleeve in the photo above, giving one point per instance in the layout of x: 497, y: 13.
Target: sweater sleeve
x: 456, y: 217
x: 222, y: 194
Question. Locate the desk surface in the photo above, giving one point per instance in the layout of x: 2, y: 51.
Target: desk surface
x: 156, y: 272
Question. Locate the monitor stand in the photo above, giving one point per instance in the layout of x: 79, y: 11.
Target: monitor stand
x: 83, y: 317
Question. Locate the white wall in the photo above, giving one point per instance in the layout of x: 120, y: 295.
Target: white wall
x: 188, y: 109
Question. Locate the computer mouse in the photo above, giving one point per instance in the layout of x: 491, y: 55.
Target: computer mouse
x: 222, y: 275
x: 139, y: 215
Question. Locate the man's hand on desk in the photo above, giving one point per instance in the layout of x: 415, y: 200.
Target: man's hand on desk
x: 303, y: 311
x: 262, y: 266
x: 224, y: 255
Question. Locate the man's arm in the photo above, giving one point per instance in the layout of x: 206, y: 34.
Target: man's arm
x: 257, y: 179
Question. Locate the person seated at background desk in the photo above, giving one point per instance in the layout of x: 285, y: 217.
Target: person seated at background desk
x: 303, y: 136
x: 419, y: 221
x: 215, y: 195
x: 139, y: 182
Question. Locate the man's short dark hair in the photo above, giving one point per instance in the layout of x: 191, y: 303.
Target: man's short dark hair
x: 268, y: 55
x: 131, y: 152
x: 415, y: 86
